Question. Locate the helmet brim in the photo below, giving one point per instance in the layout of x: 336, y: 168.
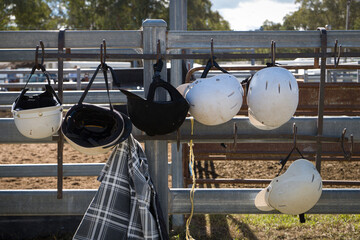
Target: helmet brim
x: 127, y: 127
x: 257, y: 123
x: 97, y: 145
x: 261, y: 202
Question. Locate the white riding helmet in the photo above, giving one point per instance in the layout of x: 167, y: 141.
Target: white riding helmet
x: 272, y: 97
x: 294, y: 192
x: 37, y: 116
x: 38, y: 123
x: 214, y: 100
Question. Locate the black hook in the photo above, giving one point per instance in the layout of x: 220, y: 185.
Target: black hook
x: 235, y: 136
x: 294, y: 135
x: 158, y: 50
x: 347, y: 156
x: 212, y: 51
x: 273, y: 50
x: 336, y: 61
x: 103, y: 54
x: 38, y: 67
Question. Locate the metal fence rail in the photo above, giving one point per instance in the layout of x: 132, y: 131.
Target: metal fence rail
x: 212, y: 201
x: 50, y: 170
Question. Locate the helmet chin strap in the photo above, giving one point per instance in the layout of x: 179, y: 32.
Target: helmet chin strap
x: 284, y: 161
x: 211, y: 63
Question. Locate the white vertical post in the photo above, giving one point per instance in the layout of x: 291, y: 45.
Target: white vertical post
x: 156, y: 151
x: 178, y: 21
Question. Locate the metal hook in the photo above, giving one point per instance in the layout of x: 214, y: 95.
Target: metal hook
x: 42, y: 55
x: 36, y: 55
x: 158, y: 50
x: 294, y: 134
x: 235, y: 136
x: 283, y: 161
x: 336, y: 61
x: 212, y: 51
x: 42, y: 52
x: 347, y: 156
x: 273, y: 48
x: 103, y: 54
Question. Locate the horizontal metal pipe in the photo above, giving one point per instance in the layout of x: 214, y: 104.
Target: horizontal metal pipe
x: 212, y: 201
x: 255, y: 68
x: 266, y: 181
x: 50, y: 170
x: 241, y: 201
x: 333, y: 127
x: 222, y: 56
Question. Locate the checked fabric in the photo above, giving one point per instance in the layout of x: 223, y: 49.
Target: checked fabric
x: 125, y: 205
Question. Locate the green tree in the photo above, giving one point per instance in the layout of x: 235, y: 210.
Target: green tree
x: 5, y: 14
x: 101, y: 14
x: 110, y: 14
x: 269, y: 25
x: 201, y: 17
x: 312, y: 14
x: 32, y: 14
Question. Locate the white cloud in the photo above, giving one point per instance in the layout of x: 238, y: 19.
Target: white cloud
x: 250, y: 15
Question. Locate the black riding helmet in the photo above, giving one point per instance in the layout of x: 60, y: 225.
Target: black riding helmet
x: 93, y: 129
x: 157, y: 117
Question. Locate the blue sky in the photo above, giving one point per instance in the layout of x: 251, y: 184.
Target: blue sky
x: 244, y: 15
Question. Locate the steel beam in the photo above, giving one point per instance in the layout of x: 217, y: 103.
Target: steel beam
x: 307, y: 130
x: 207, y: 201
x: 49, y: 170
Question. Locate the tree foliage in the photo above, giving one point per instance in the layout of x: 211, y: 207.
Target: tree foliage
x: 201, y: 17
x: 101, y: 14
x: 312, y: 14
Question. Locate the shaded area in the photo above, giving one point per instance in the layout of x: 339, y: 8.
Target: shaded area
x: 38, y: 227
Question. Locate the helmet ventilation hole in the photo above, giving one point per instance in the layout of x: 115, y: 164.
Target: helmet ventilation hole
x: 266, y: 85
x: 279, y: 87
x: 290, y: 86
x: 313, y: 176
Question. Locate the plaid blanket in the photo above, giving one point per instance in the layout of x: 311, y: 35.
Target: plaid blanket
x: 125, y: 205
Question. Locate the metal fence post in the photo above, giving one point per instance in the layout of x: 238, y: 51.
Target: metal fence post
x: 178, y: 21
x: 60, y: 143
x: 320, y: 122
x: 156, y: 151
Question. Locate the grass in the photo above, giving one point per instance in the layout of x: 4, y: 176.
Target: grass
x: 271, y: 226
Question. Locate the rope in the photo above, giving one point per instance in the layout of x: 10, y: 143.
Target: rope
x: 192, y: 191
